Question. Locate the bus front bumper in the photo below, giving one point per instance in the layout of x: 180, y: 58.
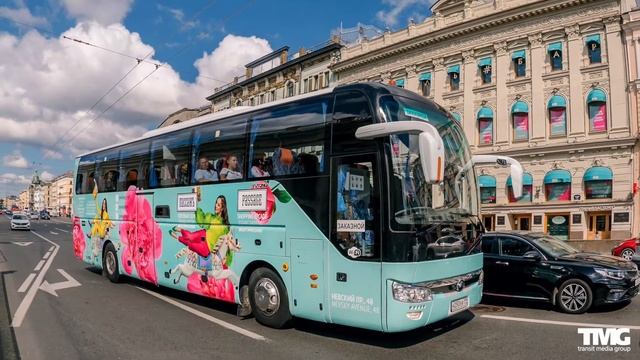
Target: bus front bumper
x: 403, y: 316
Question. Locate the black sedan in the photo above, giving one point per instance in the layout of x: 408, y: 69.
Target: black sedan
x: 539, y: 267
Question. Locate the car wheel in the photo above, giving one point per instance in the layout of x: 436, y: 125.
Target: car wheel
x: 627, y: 253
x: 110, y: 263
x: 574, y: 296
x: 269, y: 299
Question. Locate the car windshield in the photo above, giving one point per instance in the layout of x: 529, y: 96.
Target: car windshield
x: 19, y: 217
x: 416, y: 203
x: 553, y: 246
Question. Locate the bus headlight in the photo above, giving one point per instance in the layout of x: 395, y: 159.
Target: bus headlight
x: 410, y: 293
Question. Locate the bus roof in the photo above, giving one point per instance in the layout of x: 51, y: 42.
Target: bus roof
x: 247, y: 109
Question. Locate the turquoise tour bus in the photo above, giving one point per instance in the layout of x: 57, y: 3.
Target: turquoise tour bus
x: 355, y: 205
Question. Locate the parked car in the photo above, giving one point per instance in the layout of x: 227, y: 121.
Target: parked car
x: 626, y: 249
x: 540, y: 267
x: 20, y: 221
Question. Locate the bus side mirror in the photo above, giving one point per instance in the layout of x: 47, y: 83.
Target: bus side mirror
x: 515, y: 169
x: 431, y: 157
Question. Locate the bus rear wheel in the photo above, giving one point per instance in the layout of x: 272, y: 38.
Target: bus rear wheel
x: 269, y: 299
x: 110, y: 263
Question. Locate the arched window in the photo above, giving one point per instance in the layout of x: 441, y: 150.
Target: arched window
x: 520, y: 116
x: 485, y: 125
x: 487, y: 184
x: 527, y: 189
x: 598, y: 183
x: 557, y: 107
x: 557, y: 185
x: 597, y: 104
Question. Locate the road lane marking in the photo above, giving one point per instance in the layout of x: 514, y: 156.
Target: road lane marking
x: 53, y: 233
x: 23, y: 243
x: 562, y: 323
x: 207, y: 317
x: 24, y: 306
x: 51, y: 248
x: 51, y: 288
x: 46, y: 256
x: 26, y: 283
x: 39, y: 266
x: 66, y: 231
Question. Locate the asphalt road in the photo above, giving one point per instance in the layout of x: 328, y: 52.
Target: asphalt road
x: 91, y: 318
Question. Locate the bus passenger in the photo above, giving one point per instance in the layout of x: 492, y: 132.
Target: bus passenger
x: 183, y: 174
x: 258, y: 168
x: 205, y: 173
x: 231, y: 169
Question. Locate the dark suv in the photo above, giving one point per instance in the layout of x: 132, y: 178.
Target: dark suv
x: 540, y: 267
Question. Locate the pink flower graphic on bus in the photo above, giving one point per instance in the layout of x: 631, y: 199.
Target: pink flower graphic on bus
x: 221, y: 289
x: 141, y: 237
x: 78, y: 239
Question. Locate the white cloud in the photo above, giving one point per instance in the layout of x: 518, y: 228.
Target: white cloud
x: 105, y: 12
x: 229, y: 58
x: 47, y: 176
x: 15, y: 160
x: 10, y: 178
x: 22, y: 16
x: 390, y: 17
x: 49, y: 84
x: 178, y: 14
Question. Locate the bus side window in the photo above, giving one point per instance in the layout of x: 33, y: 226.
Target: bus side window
x: 218, y: 151
x: 351, y: 110
x: 290, y: 139
x: 168, y: 152
x: 134, y: 159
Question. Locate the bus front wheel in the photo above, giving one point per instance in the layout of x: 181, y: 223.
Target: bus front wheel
x: 268, y: 298
x: 110, y: 263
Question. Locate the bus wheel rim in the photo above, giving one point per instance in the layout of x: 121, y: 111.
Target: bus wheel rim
x: 267, y: 297
x: 111, y: 262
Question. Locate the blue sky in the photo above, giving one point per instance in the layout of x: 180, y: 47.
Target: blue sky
x: 50, y: 83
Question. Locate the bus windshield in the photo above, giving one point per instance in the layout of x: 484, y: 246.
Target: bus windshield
x: 414, y: 202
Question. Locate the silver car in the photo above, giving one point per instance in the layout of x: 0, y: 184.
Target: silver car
x: 445, y: 247
x: 20, y: 221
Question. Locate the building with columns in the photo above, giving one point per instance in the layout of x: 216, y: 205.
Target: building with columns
x: 546, y: 82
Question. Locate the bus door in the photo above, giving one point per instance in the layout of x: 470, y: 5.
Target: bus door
x: 353, y: 267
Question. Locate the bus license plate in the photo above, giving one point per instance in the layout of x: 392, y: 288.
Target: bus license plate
x: 459, y: 305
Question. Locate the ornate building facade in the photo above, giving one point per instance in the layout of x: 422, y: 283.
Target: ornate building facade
x: 546, y: 82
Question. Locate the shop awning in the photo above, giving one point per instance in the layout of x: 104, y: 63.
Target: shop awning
x: 527, y: 179
x: 520, y: 54
x: 556, y: 46
x: 520, y: 107
x: 425, y: 77
x: 484, y: 62
x: 557, y: 101
x: 453, y: 69
x: 596, y: 95
x: 592, y: 39
x: 486, y: 181
x: 598, y: 173
x: 485, y: 113
x: 400, y: 82
x: 557, y: 176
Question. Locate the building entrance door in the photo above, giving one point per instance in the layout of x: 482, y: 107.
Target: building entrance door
x: 522, y: 222
x: 599, y: 226
x: 489, y: 222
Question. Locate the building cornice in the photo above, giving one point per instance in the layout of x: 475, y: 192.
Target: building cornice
x: 458, y: 30
x: 592, y: 144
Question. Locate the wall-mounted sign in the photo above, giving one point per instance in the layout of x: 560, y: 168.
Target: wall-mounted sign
x: 537, y: 220
x: 622, y: 217
x: 576, y: 218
